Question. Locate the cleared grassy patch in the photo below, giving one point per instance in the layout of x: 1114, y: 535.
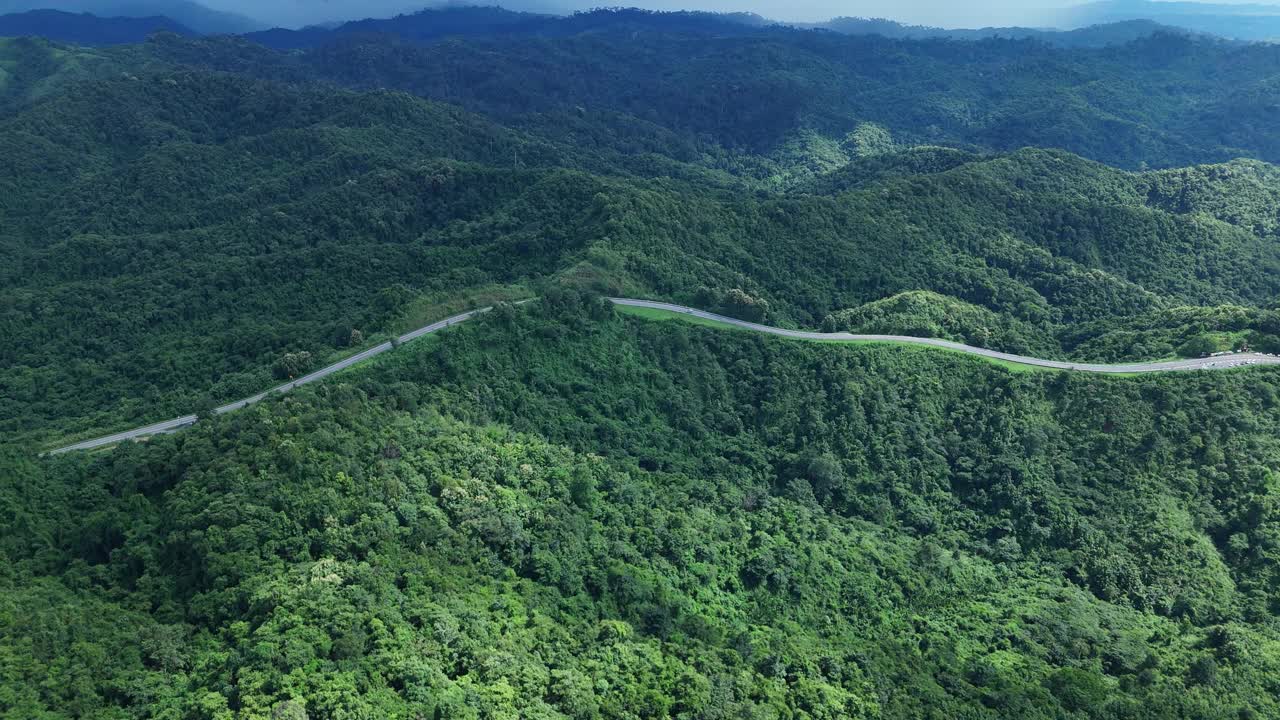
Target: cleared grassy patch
x: 427, y: 309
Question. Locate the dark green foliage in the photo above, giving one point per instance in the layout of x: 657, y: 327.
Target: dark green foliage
x: 1199, y: 346
x: 925, y: 314
x: 554, y: 511
x: 1164, y: 100
x: 188, y: 230
x: 85, y: 29
x: 737, y: 525
x: 174, y: 233
x: 293, y: 365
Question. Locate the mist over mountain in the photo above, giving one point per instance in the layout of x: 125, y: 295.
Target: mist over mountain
x: 461, y: 21
x: 295, y: 13
x: 912, y: 19
x: 1101, y: 35
x: 1238, y: 21
x: 1243, y: 20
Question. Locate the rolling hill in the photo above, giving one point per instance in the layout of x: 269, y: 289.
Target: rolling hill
x: 86, y: 29
x: 557, y: 510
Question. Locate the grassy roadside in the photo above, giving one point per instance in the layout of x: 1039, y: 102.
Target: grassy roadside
x: 427, y: 309
x: 669, y: 315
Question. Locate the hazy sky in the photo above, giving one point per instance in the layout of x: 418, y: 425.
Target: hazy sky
x: 947, y: 13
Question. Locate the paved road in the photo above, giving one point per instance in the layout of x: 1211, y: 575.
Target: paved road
x: 1218, y: 363
x: 169, y: 426
x: 175, y: 424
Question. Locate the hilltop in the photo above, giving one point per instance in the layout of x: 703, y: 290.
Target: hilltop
x: 556, y: 510
x: 86, y: 29
x: 220, y: 222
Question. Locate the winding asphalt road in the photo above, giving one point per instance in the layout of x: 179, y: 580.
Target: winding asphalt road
x: 1218, y: 363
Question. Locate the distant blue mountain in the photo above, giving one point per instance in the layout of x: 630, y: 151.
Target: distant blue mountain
x: 86, y: 29
x: 189, y: 14
x: 1240, y: 22
x: 1117, y: 33
x: 432, y: 24
x: 1113, y: 22
x: 462, y: 21
x: 420, y: 26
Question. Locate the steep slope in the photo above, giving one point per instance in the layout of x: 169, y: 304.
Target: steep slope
x: 33, y: 68
x: 692, y: 522
x: 464, y: 21
x: 555, y: 511
x: 1165, y: 100
x: 1043, y: 236
x: 176, y: 233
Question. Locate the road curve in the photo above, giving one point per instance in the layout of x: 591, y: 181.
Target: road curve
x: 1218, y: 363
x: 168, y: 426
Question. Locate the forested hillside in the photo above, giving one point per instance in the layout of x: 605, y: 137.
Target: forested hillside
x: 85, y: 29
x: 190, y: 14
x: 175, y: 232
x: 557, y: 511
x: 1165, y: 100
x: 1096, y: 35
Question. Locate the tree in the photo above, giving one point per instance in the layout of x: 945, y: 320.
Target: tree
x: 582, y: 488
x: 290, y: 710
x: 739, y: 304
x: 292, y: 365
x: 1199, y: 346
x: 206, y: 406
x: 1077, y: 689
x: 825, y: 476
x: 869, y: 139
x: 1204, y: 671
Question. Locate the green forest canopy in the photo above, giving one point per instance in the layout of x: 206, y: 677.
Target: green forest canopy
x: 559, y: 512
x: 175, y: 232
x: 554, y: 512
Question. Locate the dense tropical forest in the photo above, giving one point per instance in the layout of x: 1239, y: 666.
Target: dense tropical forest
x: 560, y: 510
x: 561, y: 513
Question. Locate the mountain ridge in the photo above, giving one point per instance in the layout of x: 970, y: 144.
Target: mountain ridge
x: 562, y: 511
x: 87, y: 29
x: 187, y: 13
